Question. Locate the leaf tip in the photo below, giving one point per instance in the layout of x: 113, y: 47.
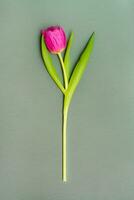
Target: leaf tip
x: 93, y: 35
x: 71, y: 36
x: 72, y: 33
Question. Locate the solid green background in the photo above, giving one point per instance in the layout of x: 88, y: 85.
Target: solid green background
x: 101, y: 117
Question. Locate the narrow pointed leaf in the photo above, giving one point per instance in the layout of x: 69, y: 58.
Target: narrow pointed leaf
x: 49, y: 66
x: 67, y: 55
x: 79, y: 69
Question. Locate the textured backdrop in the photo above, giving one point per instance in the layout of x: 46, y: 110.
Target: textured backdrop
x: 101, y: 117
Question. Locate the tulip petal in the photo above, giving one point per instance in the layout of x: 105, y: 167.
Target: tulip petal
x: 67, y: 55
x: 49, y: 66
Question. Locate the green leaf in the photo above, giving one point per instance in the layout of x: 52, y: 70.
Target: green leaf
x: 49, y: 66
x: 67, y: 55
x: 79, y: 69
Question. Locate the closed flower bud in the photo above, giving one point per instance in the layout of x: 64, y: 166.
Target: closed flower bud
x: 55, y: 39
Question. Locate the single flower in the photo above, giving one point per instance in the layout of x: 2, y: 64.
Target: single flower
x: 55, y: 39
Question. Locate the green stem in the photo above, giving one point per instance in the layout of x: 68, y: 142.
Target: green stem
x: 64, y: 122
x: 63, y: 70
x: 64, y: 141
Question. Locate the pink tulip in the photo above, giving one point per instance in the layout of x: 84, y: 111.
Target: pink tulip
x: 55, y: 39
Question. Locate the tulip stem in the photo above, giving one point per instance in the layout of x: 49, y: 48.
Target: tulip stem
x: 64, y: 123
x: 63, y: 70
x: 64, y: 140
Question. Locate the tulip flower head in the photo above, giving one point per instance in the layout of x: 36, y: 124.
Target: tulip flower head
x: 55, y: 39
